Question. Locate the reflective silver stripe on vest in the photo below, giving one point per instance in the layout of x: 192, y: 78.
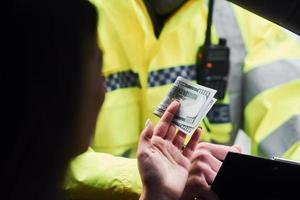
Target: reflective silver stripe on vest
x: 120, y: 80
x: 169, y: 75
x: 227, y: 27
x: 271, y: 75
x: 282, y: 138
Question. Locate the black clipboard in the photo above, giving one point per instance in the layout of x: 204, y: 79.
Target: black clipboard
x: 248, y: 177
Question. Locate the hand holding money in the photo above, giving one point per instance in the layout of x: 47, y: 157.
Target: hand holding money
x: 195, y: 100
x: 163, y: 162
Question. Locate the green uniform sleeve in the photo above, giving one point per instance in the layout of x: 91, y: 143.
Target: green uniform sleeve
x: 94, y: 175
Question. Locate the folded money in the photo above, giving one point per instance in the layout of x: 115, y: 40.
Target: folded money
x: 195, y: 102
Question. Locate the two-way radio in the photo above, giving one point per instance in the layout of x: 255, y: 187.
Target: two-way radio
x: 213, y: 61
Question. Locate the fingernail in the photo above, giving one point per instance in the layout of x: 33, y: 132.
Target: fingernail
x: 177, y: 101
x: 148, y: 123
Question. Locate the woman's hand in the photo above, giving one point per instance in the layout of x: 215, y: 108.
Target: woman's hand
x: 163, y: 165
x: 206, y: 162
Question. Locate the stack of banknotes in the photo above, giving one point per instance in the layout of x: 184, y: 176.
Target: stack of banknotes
x: 195, y: 102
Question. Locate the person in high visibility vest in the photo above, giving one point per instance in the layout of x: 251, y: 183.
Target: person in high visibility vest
x: 147, y: 44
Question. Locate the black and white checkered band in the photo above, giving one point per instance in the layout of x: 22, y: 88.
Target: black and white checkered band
x: 123, y: 79
x: 169, y: 75
x: 219, y: 113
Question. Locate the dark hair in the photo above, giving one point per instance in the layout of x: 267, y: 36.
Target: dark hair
x: 42, y: 79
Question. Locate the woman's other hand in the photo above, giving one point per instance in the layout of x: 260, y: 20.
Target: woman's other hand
x: 206, y: 162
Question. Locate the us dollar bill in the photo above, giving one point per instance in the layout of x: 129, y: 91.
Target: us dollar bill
x: 195, y: 100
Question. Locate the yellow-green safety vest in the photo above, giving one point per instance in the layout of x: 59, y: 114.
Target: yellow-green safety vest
x: 263, y: 96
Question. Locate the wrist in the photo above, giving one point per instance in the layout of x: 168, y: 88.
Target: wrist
x: 155, y: 194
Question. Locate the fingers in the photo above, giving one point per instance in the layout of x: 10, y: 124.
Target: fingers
x: 205, y: 163
x: 188, y: 151
x: 205, y: 169
x: 207, y: 157
x: 179, y: 139
x: 146, y: 136
x: 170, y: 112
x: 191, y: 146
x: 148, y: 130
x: 165, y: 121
x: 171, y: 133
x: 218, y: 151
